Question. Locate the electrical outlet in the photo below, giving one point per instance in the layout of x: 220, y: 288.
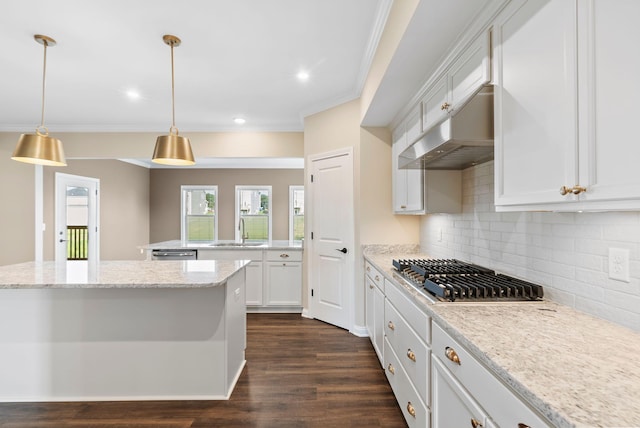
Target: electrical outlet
x: 619, y: 264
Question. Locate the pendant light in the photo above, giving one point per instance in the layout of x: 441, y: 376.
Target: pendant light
x: 40, y: 149
x: 173, y: 149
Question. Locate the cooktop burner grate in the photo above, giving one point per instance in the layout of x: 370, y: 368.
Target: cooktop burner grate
x: 451, y: 280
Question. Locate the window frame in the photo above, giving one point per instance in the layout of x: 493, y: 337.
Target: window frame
x: 269, y: 189
x: 292, y: 190
x: 183, y: 225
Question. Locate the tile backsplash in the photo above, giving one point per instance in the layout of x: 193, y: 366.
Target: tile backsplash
x: 567, y: 253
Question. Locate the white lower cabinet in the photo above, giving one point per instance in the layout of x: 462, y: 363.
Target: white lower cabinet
x: 374, y: 309
x: 274, y: 277
x: 460, y: 380
x: 452, y: 406
x: 407, y: 355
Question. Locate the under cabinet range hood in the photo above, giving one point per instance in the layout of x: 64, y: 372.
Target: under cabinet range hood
x: 462, y: 140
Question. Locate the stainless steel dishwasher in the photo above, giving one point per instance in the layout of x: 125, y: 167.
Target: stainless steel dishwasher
x: 174, y: 254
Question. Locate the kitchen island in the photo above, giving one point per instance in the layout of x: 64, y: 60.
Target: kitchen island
x: 121, y: 330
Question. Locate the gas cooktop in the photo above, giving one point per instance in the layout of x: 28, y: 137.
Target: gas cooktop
x: 453, y: 280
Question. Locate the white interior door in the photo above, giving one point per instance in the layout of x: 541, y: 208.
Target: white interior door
x: 77, y: 218
x: 332, y: 256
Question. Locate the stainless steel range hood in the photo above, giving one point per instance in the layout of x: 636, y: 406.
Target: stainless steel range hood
x: 462, y: 140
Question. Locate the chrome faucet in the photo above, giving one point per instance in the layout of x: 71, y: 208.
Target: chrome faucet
x: 243, y: 234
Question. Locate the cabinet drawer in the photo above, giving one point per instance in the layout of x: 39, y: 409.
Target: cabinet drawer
x: 375, y: 275
x: 412, y: 352
x: 414, y: 410
x: 417, y: 319
x: 284, y: 255
x: 502, y: 405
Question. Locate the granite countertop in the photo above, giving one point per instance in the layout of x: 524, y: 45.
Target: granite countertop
x: 575, y: 369
x: 177, y: 244
x: 119, y: 274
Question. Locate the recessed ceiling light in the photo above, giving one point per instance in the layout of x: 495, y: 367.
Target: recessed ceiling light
x: 303, y: 76
x: 239, y: 120
x: 133, y: 95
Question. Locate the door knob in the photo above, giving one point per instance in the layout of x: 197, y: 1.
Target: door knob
x: 343, y: 251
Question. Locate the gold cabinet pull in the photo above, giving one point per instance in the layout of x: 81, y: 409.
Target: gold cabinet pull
x: 411, y: 355
x: 391, y: 326
x: 391, y: 369
x: 371, y: 286
x: 411, y: 409
x: 452, y: 355
x: 475, y: 423
x: 377, y: 278
x: 521, y: 425
x: 445, y: 106
x: 576, y: 190
x: 284, y: 255
x: 368, y: 269
x: 403, y: 206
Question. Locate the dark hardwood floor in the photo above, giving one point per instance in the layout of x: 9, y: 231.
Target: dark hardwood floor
x: 299, y: 373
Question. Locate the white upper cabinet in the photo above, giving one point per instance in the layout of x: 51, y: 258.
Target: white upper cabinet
x: 466, y: 75
x: 408, y: 184
x: 565, y: 86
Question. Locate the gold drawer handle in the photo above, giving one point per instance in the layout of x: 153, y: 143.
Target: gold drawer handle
x: 403, y: 207
x: 521, y: 425
x: 371, y: 286
x: 284, y: 255
x: 411, y: 355
x: 445, y: 106
x: 576, y: 190
x: 377, y: 278
x: 410, y: 409
x: 391, y: 326
x: 391, y: 369
x: 452, y: 355
x: 368, y: 269
x: 475, y: 423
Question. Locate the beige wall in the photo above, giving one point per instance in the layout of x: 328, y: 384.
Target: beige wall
x: 399, y: 16
x: 378, y: 223
x: 375, y: 222
x: 210, y: 144
x: 165, y: 197
x: 124, y: 206
x: 17, y: 205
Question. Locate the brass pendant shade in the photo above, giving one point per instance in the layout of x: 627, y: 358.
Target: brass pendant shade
x: 40, y: 148
x: 173, y: 149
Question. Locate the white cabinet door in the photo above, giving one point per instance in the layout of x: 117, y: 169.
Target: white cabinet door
x: 610, y: 88
x: 452, y: 406
x: 378, y: 323
x: 433, y: 102
x: 536, y: 141
x: 283, y: 283
x: 254, y: 284
x: 470, y: 72
x: 408, y: 184
x: 369, y: 307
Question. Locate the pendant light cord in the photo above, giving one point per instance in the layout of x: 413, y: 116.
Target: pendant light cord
x: 173, y: 102
x: 44, y: 74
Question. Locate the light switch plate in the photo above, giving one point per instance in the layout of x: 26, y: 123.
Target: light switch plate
x: 619, y: 264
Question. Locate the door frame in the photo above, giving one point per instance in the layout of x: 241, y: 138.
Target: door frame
x: 93, y: 228
x: 309, y: 211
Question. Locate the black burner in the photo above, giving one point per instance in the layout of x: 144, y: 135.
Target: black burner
x: 451, y: 279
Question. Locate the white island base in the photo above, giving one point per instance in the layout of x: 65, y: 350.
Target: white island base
x: 86, y: 344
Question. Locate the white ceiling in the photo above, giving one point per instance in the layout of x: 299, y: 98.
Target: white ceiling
x: 238, y: 58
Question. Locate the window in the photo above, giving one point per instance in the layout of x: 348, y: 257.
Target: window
x: 253, y: 213
x: 296, y: 213
x: 199, y: 220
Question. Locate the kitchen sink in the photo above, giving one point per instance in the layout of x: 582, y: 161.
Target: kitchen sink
x: 237, y: 244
